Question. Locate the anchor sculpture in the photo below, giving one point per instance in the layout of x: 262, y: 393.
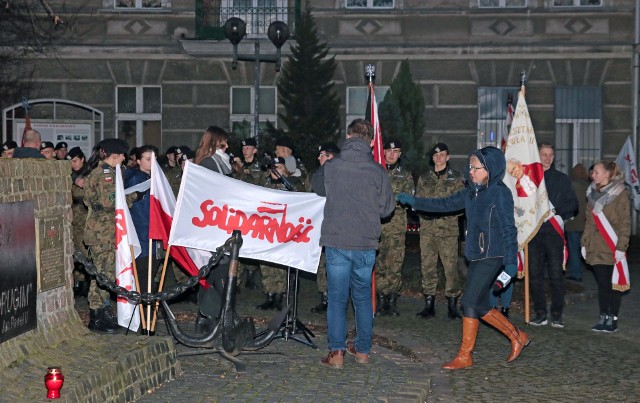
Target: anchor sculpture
x: 229, y: 335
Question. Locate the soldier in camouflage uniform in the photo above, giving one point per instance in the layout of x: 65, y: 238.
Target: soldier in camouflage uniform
x: 326, y: 152
x: 439, y: 234
x: 172, y: 169
x: 392, y: 242
x: 274, y: 279
x: 79, y: 210
x: 99, y: 231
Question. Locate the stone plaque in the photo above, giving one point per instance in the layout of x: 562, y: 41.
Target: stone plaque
x: 18, y: 272
x: 51, y: 252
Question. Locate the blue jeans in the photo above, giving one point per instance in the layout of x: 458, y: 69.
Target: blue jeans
x: 349, y: 270
x: 575, y: 264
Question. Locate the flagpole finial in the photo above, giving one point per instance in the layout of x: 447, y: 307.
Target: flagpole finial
x: 370, y: 72
x: 523, y: 81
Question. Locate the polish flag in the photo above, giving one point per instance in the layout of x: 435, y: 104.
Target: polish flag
x: 126, y: 237
x: 378, y: 149
x: 162, y: 207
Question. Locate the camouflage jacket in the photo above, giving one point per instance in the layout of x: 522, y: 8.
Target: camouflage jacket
x: 430, y: 185
x: 276, y: 184
x: 401, y: 180
x: 253, y: 172
x: 99, y: 197
x: 174, y: 176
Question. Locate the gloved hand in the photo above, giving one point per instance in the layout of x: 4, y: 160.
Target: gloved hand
x: 505, y: 277
x: 583, y: 252
x: 619, y: 255
x: 404, y: 198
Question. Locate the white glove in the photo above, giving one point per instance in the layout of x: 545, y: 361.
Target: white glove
x: 583, y: 251
x: 619, y: 256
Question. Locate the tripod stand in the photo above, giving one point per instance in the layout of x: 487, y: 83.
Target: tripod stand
x: 292, y: 325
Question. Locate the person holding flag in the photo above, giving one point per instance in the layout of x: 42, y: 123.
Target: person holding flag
x: 606, y: 238
x: 491, y: 243
x: 359, y: 195
x: 99, y: 230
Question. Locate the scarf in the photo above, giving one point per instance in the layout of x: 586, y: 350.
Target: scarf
x: 597, y: 199
x: 222, y: 160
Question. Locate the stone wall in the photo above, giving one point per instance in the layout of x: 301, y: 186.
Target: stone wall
x: 48, y: 184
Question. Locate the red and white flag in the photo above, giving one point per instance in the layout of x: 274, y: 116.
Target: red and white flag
x: 626, y: 160
x: 162, y: 206
x: 525, y: 176
x: 126, y: 237
x: 378, y: 148
x: 277, y: 226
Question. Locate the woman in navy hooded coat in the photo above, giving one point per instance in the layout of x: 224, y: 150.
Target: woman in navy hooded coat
x: 491, y: 243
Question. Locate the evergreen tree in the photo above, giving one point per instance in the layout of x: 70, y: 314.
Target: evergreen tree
x: 306, y: 92
x: 402, y: 117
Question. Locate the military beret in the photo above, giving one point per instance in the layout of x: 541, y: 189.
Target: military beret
x: 392, y: 144
x: 46, y: 144
x: 249, y: 142
x: 9, y: 145
x: 439, y: 148
x: 278, y: 160
x: 75, y: 152
x: 114, y: 146
x: 62, y: 144
x: 285, y: 142
x: 329, y: 147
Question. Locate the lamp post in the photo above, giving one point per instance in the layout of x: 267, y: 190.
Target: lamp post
x: 278, y: 33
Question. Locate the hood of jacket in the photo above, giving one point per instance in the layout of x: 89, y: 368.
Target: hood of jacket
x: 492, y: 159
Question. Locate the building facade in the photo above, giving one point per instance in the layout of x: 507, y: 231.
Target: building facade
x: 160, y: 70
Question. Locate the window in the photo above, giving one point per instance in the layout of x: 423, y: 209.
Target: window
x: 577, y: 3
x: 139, y: 115
x: 492, y: 114
x: 578, y: 115
x: 369, y: 3
x: 142, y: 4
x: 357, y: 98
x: 243, y: 105
x: 501, y: 3
x: 257, y: 14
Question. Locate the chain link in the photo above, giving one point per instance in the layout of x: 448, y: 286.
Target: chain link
x: 149, y: 298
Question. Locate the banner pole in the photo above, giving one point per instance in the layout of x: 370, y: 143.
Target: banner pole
x: 526, y: 283
x: 135, y: 276
x: 164, y: 271
x: 149, y: 280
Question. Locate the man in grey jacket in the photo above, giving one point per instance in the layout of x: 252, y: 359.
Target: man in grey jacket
x: 358, y: 195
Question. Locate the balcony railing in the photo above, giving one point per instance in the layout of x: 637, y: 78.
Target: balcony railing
x: 210, y: 18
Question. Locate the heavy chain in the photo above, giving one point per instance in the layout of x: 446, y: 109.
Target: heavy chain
x: 148, y: 298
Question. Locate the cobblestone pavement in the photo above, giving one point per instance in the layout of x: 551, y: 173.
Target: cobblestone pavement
x: 570, y: 364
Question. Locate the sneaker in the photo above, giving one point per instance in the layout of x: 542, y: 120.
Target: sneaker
x: 599, y: 327
x: 611, y: 325
x: 361, y: 358
x: 540, y: 320
x: 557, y: 323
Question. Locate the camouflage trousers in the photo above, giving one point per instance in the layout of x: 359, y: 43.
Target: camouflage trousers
x: 274, y: 279
x: 77, y: 235
x: 447, y: 249
x: 321, y: 275
x: 104, y: 258
x: 391, y: 256
x: 246, y: 265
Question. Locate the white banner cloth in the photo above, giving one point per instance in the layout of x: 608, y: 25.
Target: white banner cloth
x: 277, y: 226
x: 626, y: 160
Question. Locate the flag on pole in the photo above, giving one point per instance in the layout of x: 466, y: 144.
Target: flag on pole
x: 161, y: 209
x: 507, y: 122
x: 525, y: 176
x: 626, y: 160
x: 378, y: 149
x: 126, y: 237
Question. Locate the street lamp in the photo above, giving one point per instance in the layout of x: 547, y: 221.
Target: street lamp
x: 235, y: 29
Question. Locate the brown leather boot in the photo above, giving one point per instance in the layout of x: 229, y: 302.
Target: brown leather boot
x: 519, y: 339
x: 334, y: 359
x: 469, y: 333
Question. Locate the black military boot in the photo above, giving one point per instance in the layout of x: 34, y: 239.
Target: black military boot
x: 393, y: 311
x: 452, y: 306
x: 279, y: 299
x: 380, y: 310
x: 98, y: 323
x: 204, y: 323
x: 270, y: 302
x: 83, y: 289
x: 110, y: 316
x: 322, y: 306
x: 429, y: 307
